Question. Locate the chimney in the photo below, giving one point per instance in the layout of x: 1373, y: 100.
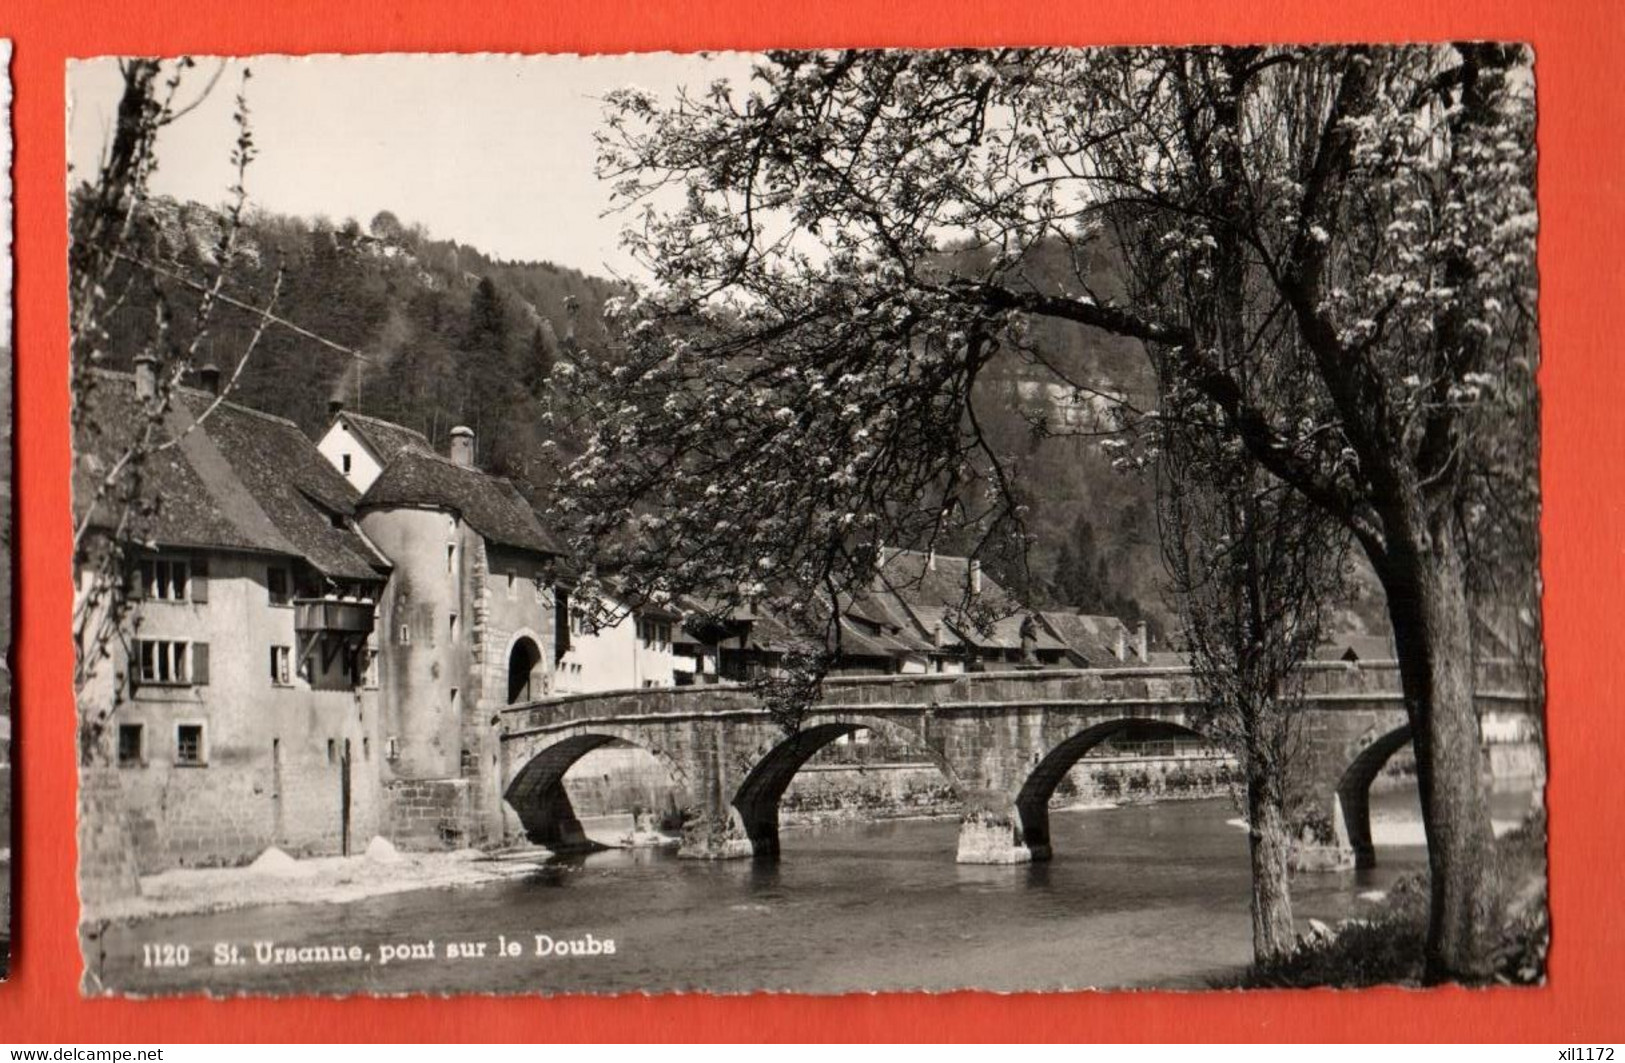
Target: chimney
x: 462, y: 446
x: 975, y: 576
x: 1122, y: 642
x: 334, y: 408
x: 146, y: 377
x: 208, y: 378
x: 1144, y: 643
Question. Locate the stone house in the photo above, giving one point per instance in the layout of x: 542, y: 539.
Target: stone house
x: 241, y: 691
x: 468, y: 623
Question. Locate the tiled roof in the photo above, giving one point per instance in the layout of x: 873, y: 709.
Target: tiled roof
x: 940, y: 580
x: 490, y: 504
x: 384, y: 438
x: 925, y: 594
x: 238, y: 479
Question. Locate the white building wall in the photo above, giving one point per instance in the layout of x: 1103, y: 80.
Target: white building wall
x: 614, y: 658
x: 340, y: 445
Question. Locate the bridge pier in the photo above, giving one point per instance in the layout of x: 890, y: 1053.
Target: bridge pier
x: 992, y: 833
x: 717, y: 836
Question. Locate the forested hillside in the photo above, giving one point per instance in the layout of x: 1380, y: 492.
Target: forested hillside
x: 451, y: 336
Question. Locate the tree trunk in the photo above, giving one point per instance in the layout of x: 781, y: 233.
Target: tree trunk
x: 1269, y: 844
x: 1427, y: 602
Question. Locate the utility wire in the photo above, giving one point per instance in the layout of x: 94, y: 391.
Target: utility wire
x: 239, y: 304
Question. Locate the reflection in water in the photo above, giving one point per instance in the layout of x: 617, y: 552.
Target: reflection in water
x: 1146, y: 895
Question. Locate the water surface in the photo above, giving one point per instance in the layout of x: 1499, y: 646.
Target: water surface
x: 1150, y: 895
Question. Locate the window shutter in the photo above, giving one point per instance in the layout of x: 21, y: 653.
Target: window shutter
x: 200, y: 579
x: 200, y: 664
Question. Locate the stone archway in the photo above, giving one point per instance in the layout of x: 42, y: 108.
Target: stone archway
x: 1032, y: 802
x: 1351, y: 815
x: 757, y: 799
x: 526, y: 673
x: 538, y: 796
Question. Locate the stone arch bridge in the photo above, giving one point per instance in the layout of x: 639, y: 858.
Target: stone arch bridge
x: 1003, y: 740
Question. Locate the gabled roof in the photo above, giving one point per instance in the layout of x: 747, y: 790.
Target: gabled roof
x: 940, y: 580
x: 490, y: 504
x: 1097, y: 638
x: 239, y: 479
x: 384, y: 438
x: 1005, y: 634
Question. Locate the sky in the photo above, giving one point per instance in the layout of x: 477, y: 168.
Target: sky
x: 492, y: 151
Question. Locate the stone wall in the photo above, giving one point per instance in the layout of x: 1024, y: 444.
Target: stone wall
x: 877, y: 791
x: 1155, y: 778
x: 429, y: 814
x: 107, y: 864
x: 619, y: 778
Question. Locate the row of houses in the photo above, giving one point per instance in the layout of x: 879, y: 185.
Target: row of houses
x: 320, y: 634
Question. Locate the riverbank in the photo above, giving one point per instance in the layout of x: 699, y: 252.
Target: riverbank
x: 277, y: 878
x: 1387, y: 947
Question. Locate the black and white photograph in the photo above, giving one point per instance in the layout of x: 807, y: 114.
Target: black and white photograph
x: 810, y: 521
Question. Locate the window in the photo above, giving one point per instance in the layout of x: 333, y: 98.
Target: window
x: 453, y: 627
x: 344, y: 462
x: 656, y: 634
x: 513, y: 585
x: 366, y: 749
x: 163, y: 662
x: 369, y: 671
x: 392, y: 749
x: 332, y: 751
x: 277, y: 586
x: 166, y: 579
x: 282, y: 665
x: 131, y: 753
x: 405, y: 635
x: 456, y: 701
x: 189, y: 743
x: 451, y: 558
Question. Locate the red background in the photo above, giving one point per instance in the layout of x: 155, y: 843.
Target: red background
x: 1578, y: 50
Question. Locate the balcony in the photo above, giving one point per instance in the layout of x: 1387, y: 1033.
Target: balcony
x: 347, y: 618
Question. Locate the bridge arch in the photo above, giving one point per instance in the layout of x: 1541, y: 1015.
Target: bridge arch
x: 1352, y: 814
x: 1032, y: 802
x: 538, y: 796
x: 776, y: 763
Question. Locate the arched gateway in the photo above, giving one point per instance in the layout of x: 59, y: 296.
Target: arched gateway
x: 1002, y: 740
x: 525, y: 671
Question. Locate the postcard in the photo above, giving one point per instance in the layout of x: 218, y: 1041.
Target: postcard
x: 825, y: 522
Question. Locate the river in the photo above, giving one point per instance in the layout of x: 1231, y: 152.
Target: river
x: 1137, y: 896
